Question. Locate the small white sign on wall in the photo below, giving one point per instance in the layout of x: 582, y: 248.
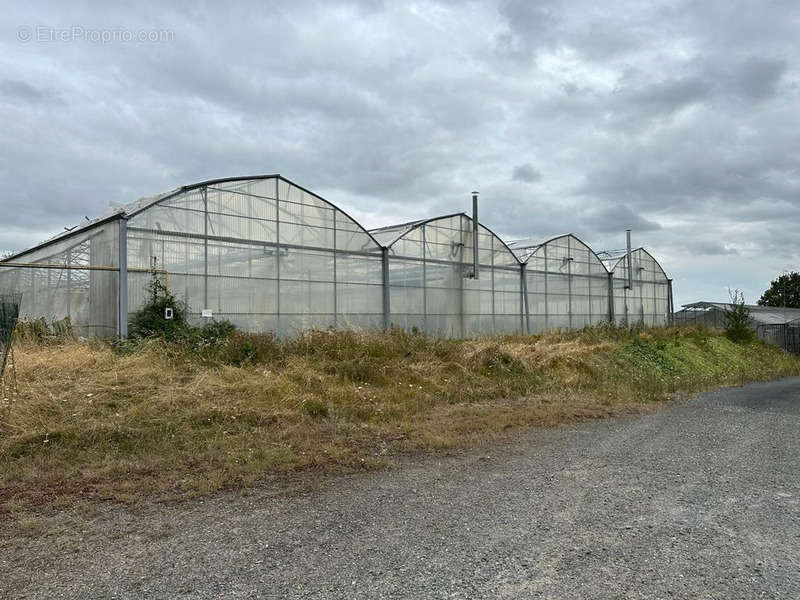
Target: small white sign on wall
x: 208, y: 313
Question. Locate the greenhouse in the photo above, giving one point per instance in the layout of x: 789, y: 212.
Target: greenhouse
x: 644, y: 295
x: 271, y: 256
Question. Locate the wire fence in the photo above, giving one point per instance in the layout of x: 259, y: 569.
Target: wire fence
x: 9, y: 314
x: 784, y: 335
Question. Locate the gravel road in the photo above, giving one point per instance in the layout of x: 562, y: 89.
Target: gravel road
x: 698, y: 500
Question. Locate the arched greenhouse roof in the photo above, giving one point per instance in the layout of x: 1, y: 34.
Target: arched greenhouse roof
x: 525, y: 252
x: 640, y: 250
x: 146, y: 203
x: 395, y: 234
x: 132, y: 209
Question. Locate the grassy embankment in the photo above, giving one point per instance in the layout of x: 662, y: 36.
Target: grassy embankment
x: 90, y: 421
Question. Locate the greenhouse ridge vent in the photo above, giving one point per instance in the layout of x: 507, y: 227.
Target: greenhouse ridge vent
x: 270, y: 255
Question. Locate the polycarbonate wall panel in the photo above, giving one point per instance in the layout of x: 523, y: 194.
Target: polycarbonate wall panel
x: 432, y: 288
x: 78, y: 280
x: 647, y: 302
x: 264, y: 254
x: 567, y: 286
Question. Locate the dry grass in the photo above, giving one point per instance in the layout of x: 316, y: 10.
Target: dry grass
x: 91, y: 421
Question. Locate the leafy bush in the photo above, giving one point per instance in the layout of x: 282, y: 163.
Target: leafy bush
x: 737, y: 320
x: 151, y: 322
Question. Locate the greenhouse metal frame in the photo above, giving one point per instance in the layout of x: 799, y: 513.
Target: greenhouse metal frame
x: 270, y: 255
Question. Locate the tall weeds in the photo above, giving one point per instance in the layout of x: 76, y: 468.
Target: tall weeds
x: 182, y: 418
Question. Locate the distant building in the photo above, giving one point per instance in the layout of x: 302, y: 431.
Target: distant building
x: 772, y: 324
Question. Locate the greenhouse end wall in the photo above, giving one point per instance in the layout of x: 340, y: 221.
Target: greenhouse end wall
x: 269, y: 255
x: 75, y: 277
x: 264, y: 254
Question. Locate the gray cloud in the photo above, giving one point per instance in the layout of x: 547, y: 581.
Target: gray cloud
x: 758, y: 77
x: 526, y: 173
x: 20, y: 91
x: 616, y: 218
x: 677, y: 119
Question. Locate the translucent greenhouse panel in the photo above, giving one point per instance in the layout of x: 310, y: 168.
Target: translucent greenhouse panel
x: 63, y: 289
x: 580, y: 285
x: 406, y: 273
x: 507, y: 304
x: 359, y: 269
x: 599, y: 308
x: 559, y: 321
x: 442, y: 302
x: 579, y: 320
x: 557, y: 307
x: 443, y: 275
x: 580, y: 310
x: 407, y: 301
x: 620, y: 307
x: 485, y: 247
x: 443, y: 326
x: 507, y: 324
x: 350, y: 237
x: 359, y: 305
x: 507, y: 280
x: 243, y: 201
x: 183, y: 214
x: 258, y: 188
x: 579, y: 256
x: 386, y: 236
x: 537, y: 263
x: 503, y: 257
x: 305, y: 305
x: 409, y: 246
x: 537, y: 300
x: 301, y: 234
x: 537, y: 306
x: 409, y: 322
x: 443, y: 239
x: 306, y: 264
x: 558, y: 283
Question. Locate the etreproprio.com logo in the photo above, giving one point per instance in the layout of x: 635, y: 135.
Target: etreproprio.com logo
x: 77, y: 33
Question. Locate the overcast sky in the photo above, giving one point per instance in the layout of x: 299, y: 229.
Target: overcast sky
x: 676, y: 119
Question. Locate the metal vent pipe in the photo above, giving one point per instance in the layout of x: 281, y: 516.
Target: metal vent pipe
x: 475, y: 235
x: 629, y: 258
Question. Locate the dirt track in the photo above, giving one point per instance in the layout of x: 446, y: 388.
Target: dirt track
x: 700, y: 500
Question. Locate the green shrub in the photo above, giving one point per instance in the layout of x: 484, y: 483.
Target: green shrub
x: 315, y: 408
x: 737, y: 320
x: 151, y: 321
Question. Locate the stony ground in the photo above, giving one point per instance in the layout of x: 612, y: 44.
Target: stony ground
x: 699, y: 500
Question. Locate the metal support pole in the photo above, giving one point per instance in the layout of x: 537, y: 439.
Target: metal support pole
x: 278, y: 255
x: 387, y: 315
x: 69, y: 285
x: 569, y: 282
x: 670, y: 305
x: 425, y: 282
x: 475, y: 235
x: 335, y: 274
x: 611, y: 298
x: 546, y: 291
x: 525, y: 316
x: 122, y: 282
x: 205, y: 248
